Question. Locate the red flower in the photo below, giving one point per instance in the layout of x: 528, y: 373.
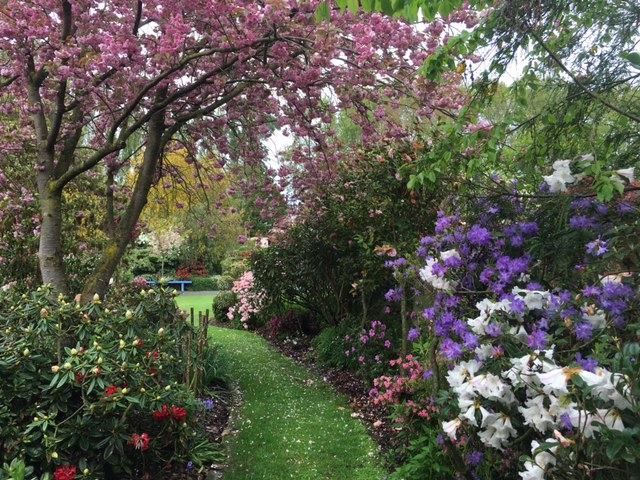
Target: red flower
x: 155, y: 354
x: 179, y: 414
x: 153, y: 372
x: 66, y: 472
x: 161, y: 415
x: 80, y: 377
x: 110, y: 390
x: 140, y: 442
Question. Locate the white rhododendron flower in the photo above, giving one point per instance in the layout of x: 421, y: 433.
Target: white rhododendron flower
x: 560, y: 177
x: 447, y: 254
x: 554, y: 381
x: 437, y: 282
x: 487, y: 308
x: 451, y: 428
x: 535, y: 470
x: 536, y: 415
x: 628, y: 173
x: 533, y: 299
x: 498, y: 431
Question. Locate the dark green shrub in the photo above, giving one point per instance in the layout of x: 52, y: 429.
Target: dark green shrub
x: 327, y: 261
x: 221, y: 305
x: 200, y: 284
x: 81, y: 383
x: 330, y: 346
x: 224, y: 282
x: 234, y: 266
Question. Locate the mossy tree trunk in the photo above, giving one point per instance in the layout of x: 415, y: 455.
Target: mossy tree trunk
x: 98, y: 282
x: 50, y: 253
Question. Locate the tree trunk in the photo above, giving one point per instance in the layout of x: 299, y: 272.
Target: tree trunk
x: 98, y: 282
x: 50, y: 254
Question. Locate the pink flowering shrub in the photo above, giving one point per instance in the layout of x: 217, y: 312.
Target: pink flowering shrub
x: 405, y: 390
x: 370, y: 349
x: 250, y: 300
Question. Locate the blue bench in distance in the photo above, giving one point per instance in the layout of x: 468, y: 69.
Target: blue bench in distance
x: 181, y: 283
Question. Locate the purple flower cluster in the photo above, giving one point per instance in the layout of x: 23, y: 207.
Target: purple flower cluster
x: 413, y: 334
x: 394, y: 295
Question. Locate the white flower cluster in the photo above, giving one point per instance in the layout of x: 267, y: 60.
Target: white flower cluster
x: 487, y: 400
x: 436, y: 281
x: 560, y: 177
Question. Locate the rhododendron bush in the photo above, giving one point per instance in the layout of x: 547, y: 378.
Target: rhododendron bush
x: 250, y: 300
x: 96, y: 390
x: 533, y: 374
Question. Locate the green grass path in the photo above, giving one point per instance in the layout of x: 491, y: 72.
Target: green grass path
x: 290, y: 424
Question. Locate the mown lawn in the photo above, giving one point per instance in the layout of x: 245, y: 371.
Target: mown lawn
x: 199, y: 301
x: 290, y: 424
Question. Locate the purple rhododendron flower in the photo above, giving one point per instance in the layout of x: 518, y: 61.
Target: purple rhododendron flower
x: 584, y: 331
x: 478, y: 235
x: 537, y: 340
x: 393, y: 295
x: 529, y: 228
x: 444, y: 222
x: 493, y: 330
x: 591, y: 291
x: 474, y: 458
x: 429, y: 313
x: 598, y: 247
x: 589, y: 364
x: 414, y: 334
x: 450, y: 349
x: 470, y: 341
x: 565, y: 419
x: 581, y: 222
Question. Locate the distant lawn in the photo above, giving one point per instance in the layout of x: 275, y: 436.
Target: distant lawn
x: 291, y: 425
x: 201, y: 302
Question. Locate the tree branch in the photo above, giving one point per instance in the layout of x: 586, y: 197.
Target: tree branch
x: 577, y: 81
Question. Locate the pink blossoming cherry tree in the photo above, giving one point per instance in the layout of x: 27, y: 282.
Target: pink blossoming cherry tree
x: 86, y: 79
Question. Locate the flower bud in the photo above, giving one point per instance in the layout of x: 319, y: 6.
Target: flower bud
x: 67, y: 366
x: 122, y: 344
x: 54, y: 455
x: 167, y: 388
x: 55, y: 369
x: 85, y: 471
x: 142, y: 390
x: 99, y: 361
x: 125, y: 390
x: 128, y: 315
x: 74, y: 351
x: 26, y: 352
x: 44, y: 313
x: 161, y: 331
x: 96, y: 297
